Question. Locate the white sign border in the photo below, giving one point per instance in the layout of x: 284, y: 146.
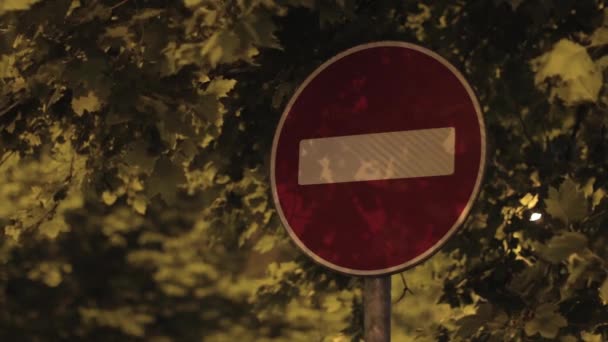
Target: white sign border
x: 463, y: 215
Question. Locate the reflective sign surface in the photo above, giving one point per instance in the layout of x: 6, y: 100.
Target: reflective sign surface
x: 378, y: 158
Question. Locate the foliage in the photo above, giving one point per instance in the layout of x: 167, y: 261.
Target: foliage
x: 134, y: 195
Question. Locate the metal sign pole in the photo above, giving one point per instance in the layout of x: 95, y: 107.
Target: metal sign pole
x: 377, y: 309
x: 311, y: 129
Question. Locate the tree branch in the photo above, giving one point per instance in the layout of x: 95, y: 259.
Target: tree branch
x: 6, y: 156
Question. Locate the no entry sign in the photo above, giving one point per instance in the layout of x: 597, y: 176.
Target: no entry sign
x: 377, y: 158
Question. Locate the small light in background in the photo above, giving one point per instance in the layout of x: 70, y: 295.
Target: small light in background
x: 535, y: 216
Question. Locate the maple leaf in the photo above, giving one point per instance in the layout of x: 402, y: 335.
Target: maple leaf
x: 546, y: 322
x: 568, y: 204
x: 15, y: 5
x: 580, y: 78
x: 88, y: 103
x: 563, y: 245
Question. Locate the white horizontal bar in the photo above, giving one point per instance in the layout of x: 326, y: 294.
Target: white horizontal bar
x: 378, y: 156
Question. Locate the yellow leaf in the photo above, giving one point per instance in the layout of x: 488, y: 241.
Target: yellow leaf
x: 147, y: 14
x: 597, y: 197
x: 589, y: 337
x: 600, y: 36
x: 602, y: 63
x: 339, y: 338
x: 89, y: 103
x: 129, y: 322
x: 173, y: 290
x: 12, y: 232
x: 48, y: 273
x: 588, y: 187
x: 52, y: 278
x: 139, y: 204
x: 136, y: 185
x: 332, y: 304
x: 265, y: 244
x: 15, y: 5
x: 120, y: 31
x: 220, y: 87
x: 529, y: 200
x: 415, y: 21
x: 53, y: 227
x: 581, y: 79
x: 74, y: 5
x: 215, y: 55
x: 108, y: 197
x: 535, y: 179
x: 191, y: 3
x: 603, y: 292
x: 7, y: 66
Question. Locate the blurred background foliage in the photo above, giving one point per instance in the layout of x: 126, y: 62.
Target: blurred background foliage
x: 134, y: 156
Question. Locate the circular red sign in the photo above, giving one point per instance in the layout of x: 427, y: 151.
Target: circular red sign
x: 377, y: 158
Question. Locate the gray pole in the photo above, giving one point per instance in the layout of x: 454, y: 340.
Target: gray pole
x: 377, y: 309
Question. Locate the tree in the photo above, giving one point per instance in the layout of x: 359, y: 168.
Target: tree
x: 134, y: 195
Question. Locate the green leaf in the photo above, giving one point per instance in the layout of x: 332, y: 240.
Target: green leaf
x: 561, y: 246
x: 514, y: 4
x: 582, y: 270
x: 468, y: 326
x: 568, y: 338
x: 92, y: 11
x: 302, y: 3
x: 137, y: 155
x: 260, y: 29
x: 209, y: 108
x: 281, y: 94
x: 546, y: 322
x: 568, y: 204
x: 525, y: 282
x: 166, y: 180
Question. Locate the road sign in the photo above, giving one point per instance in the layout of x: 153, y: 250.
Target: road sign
x: 377, y: 158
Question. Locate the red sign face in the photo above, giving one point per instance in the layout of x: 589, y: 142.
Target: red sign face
x: 377, y: 158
